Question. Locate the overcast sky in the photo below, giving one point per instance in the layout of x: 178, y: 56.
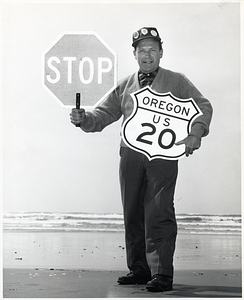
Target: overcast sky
x: 50, y: 165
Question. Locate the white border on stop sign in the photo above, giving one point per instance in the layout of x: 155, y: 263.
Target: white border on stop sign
x: 115, y: 69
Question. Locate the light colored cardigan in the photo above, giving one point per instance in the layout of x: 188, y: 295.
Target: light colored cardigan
x: 120, y: 103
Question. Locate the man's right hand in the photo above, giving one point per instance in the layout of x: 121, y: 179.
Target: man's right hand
x: 77, y: 116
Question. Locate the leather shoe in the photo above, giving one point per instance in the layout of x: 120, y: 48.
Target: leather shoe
x: 160, y: 283
x: 132, y: 278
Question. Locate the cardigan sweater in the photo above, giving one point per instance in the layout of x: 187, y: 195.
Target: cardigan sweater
x: 120, y: 103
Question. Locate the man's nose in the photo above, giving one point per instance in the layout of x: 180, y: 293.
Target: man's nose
x: 147, y: 53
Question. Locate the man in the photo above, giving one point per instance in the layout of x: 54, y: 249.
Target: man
x: 147, y: 187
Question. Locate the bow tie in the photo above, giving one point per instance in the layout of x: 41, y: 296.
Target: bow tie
x: 146, y: 78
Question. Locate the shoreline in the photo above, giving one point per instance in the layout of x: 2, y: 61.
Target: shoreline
x: 87, y: 265
x: 53, y: 230
x: 85, y: 249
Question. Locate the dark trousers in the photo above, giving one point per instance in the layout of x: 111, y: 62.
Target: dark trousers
x: 147, y: 190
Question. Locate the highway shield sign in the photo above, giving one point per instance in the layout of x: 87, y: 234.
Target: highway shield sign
x: 157, y: 122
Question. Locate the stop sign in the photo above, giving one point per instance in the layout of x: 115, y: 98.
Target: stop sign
x: 80, y: 63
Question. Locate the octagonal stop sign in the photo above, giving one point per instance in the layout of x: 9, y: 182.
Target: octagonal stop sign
x: 80, y: 63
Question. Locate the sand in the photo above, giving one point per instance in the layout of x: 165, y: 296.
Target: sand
x: 87, y: 265
x: 62, y: 283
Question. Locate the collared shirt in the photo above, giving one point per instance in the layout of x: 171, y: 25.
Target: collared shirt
x: 146, y: 78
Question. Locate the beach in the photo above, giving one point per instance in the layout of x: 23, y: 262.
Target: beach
x: 86, y: 264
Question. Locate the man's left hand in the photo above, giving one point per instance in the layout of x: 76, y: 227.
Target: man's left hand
x: 191, y: 142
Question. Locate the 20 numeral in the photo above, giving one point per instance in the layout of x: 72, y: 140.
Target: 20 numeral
x: 141, y: 138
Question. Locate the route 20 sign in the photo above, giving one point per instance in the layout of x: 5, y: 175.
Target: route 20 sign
x: 158, y: 121
x: 80, y: 63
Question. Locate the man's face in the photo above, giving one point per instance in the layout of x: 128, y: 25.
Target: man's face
x: 148, y: 55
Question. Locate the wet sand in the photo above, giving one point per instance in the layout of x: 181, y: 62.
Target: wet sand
x: 62, y: 283
x: 87, y: 265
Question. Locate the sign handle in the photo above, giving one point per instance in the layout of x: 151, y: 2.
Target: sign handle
x: 77, y: 105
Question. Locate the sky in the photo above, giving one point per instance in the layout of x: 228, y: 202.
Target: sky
x: 50, y: 165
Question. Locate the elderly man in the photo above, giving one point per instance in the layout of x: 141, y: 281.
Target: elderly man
x: 147, y: 186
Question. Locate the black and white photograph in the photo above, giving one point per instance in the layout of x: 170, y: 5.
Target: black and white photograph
x: 121, y: 149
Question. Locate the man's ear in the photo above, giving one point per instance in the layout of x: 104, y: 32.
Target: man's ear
x: 134, y: 52
x: 161, y: 53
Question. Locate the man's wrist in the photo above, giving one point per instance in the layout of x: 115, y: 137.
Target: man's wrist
x: 195, y: 136
x: 197, y: 130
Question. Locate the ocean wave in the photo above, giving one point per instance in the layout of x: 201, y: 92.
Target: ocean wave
x: 46, y: 221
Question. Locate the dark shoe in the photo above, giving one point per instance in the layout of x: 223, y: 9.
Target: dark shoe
x: 160, y: 283
x: 132, y: 278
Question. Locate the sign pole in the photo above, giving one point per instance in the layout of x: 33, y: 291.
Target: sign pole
x: 77, y: 105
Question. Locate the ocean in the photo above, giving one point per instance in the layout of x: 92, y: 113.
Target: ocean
x: 72, y: 222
